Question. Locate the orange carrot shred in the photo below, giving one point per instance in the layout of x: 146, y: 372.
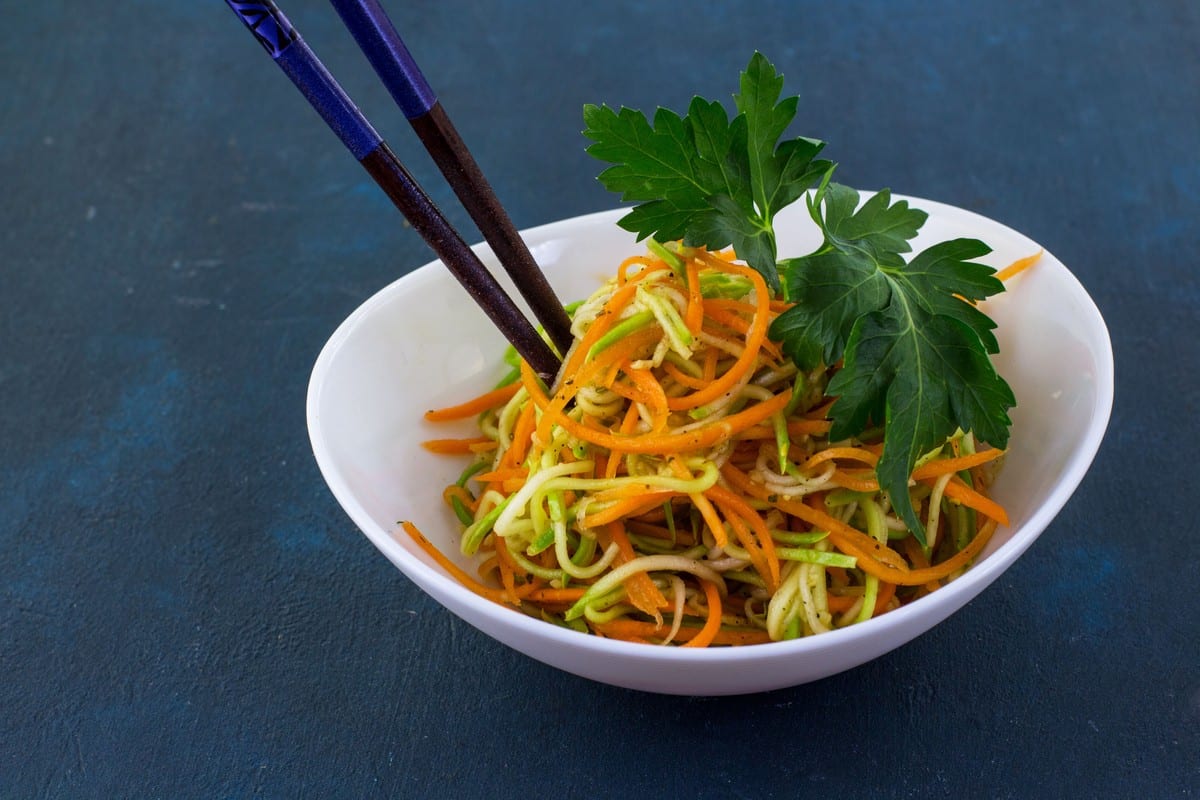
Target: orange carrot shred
x: 496, y: 397
x: 1019, y: 266
x: 713, y: 624
x: 456, y: 447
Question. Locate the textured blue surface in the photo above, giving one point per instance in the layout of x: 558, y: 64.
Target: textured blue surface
x: 185, y: 611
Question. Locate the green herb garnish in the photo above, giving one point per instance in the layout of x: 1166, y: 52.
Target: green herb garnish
x: 704, y: 178
x: 915, y: 349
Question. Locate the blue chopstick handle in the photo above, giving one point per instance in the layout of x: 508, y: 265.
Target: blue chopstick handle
x: 267, y: 23
x: 378, y: 38
x: 280, y: 39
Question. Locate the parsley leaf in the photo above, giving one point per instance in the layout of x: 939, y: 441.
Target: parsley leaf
x: 915, y: 350
x: 705, y: 178
x: 914, y: 347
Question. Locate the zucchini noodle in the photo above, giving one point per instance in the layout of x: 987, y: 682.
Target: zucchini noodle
x: 676, y: 485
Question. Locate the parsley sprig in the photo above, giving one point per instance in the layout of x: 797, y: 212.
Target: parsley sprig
x: 707, y: 179
x: 914, y: 347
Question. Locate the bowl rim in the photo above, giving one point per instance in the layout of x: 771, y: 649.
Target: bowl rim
x: 970, y: 583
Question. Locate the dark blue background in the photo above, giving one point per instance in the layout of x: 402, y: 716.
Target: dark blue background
x: 186, y: 612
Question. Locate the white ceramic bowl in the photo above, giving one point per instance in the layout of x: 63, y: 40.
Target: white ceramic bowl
x: 420, y: 343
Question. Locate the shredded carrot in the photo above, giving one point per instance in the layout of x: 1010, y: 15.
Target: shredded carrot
x: 755, y: 338
x: 957, y: 490
x: 681, y: 377
x: 508, y: 569
x: 702, y: 504
x: 629, y: 507
x: 694, y: 316
x: 764, y: 544
x: 546, y: 595
x: 656, y: 398
x: 498, y: 475
x: 610, y: 357
x: 839, y: 603
x: 723, y: 313
x: 454, y: 570
x: 873, y: 557
x: 460, y: 494
x: 1019, y: 266
x: 855, y: 483
x: 458, y: 447
x: 713, y: 624
x: 841, y: 453
x: 639, y: 588
x: 522, y: 433
x: 705, y: 436
x: 802, y: 427
x: 478, y: 405
x: 941, y: 466
x: 655, y: 407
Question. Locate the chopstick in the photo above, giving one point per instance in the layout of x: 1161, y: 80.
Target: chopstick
x: 381, y: 43
x: 280, y: 39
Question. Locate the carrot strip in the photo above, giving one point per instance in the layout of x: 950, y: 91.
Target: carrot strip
x: 711, y: 625
x: 927, y: 473
x: 629, y: 507
x: 749, y: 356
x: 475, y: 586
x: 663, y: 444
x: 841, y: 602
x: 711, y: 356
x: 842, y: 453
x: 796, y: 427
x: 873, y: 558
x: 577, y: 379
x: 503, y: 475
x: 765, y: 543
x: 656, y: 397
x: 640, y: 589
x: 970, y: 498
x: 738, y: 324
x: 681, y: 377
x: 1019, y: 266
x: 548, y: 595
x: 609, y: 315
x: 693, y: 316
x: 477, y: 405
x: 702, y: 504
x: 508, y: 568
x: 855, y: 483
x: 628, y: 425
x: 489, y: 565
x: 884, y: 596
x: 941, y: 466
x: 522, y: 434
x: 455, y: 447
x: 464, y: 496
x: 956, y: 562
x: 916, y: 555
x: 623, y: 269
x: 721, y: 306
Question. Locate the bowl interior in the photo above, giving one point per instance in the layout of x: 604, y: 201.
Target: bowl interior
x: 420, y: 343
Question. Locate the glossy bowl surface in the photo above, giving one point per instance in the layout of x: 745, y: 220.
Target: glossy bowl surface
x: 420, y: 343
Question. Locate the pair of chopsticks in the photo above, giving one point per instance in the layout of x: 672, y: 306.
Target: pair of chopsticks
x: 378, y: 39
